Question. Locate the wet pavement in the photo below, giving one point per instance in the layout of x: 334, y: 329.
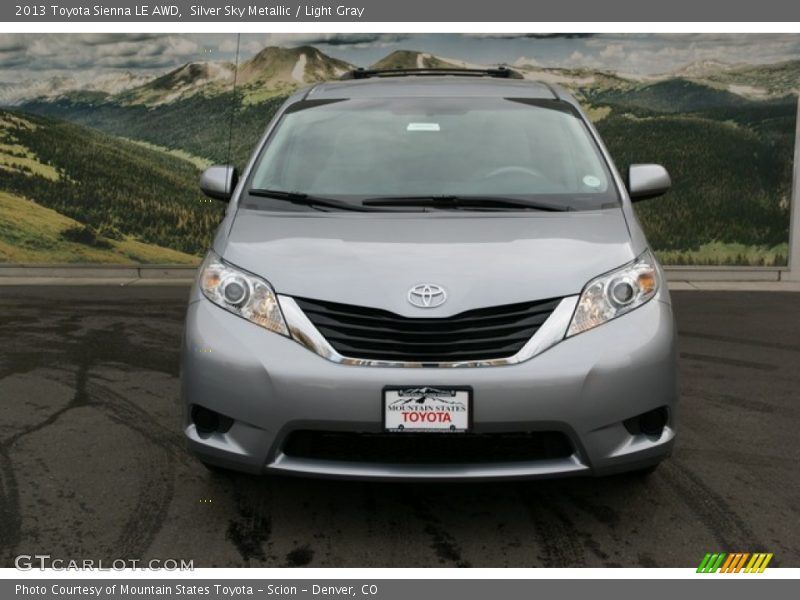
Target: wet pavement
x: 92, y: 462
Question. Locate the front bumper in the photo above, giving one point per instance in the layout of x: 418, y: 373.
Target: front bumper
x: 585, y: 387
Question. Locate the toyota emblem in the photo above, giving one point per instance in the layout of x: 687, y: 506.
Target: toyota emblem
x: 427, y: 295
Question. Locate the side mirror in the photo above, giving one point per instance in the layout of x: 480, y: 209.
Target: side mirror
x: 647, y: 181
x: 218, y: 182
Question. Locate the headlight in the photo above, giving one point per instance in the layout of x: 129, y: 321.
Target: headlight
x: 611, y: 295
x: 241, y: 293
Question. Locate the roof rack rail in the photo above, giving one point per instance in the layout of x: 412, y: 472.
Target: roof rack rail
x: 498, y: 72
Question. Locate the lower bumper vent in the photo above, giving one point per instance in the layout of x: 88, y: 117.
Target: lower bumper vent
x: 427, y: 448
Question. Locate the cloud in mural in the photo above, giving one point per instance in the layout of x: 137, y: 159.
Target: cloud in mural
x: 92, y: 52
x: 535, y: 36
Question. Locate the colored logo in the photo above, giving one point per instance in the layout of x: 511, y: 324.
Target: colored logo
x: 736, y: 562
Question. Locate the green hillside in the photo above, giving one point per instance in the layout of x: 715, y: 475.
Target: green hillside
x: 31, y: 233
x: 670, y: 96
x: 200, y: 124
x: 730, y: 159
x: 777, y: 79
x: 730, y: 183
x: 116, y: 190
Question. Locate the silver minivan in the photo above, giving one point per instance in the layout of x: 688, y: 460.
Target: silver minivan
x: 430, y: 275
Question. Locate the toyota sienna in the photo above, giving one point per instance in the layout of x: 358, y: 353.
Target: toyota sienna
x: 435, y: 275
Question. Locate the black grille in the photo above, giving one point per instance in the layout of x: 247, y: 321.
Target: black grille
x: 480, y: 334
x: 427, y: 448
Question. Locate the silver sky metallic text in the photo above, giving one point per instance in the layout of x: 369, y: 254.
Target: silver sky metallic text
x: 314, y: 11
x: 240, y: 12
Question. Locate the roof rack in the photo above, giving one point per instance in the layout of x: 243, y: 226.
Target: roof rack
x: 500, y: 72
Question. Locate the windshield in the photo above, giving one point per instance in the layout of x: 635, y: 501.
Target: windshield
x: 361, y: 149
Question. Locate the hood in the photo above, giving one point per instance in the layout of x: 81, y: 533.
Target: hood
x: 373, y: 260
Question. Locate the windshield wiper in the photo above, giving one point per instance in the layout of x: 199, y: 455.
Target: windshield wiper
x: 484, y: 202
x: 305, y: 199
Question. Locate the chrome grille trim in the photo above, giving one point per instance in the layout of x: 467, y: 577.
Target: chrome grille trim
x: 549, y: 333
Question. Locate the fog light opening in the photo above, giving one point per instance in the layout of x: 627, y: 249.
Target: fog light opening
x: 653, y: 422
x: 209, y: 421
x: 650, y: 423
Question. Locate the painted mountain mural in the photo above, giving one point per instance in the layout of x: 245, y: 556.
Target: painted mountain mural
x: 104, y: 168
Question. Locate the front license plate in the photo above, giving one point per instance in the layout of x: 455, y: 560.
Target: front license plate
x: 427, y: 409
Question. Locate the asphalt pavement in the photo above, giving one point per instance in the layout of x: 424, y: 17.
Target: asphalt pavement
x: 92, y: 462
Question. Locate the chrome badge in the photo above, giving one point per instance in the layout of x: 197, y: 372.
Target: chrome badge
x: 427, y: 295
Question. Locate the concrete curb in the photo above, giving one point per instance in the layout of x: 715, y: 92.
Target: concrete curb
x: 689, y: 273
x: 99, y: 281
x: 99, y: 271
x: 734, y: 286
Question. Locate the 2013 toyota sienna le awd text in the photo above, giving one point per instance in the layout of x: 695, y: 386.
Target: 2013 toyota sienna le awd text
x: 430, y: 275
